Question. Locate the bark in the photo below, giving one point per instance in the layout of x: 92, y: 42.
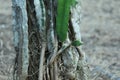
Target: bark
x: 47, y: 58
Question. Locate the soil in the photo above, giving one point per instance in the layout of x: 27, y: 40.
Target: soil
x: 100, y: 31
x: 7, y: 53
x: 100, y: 28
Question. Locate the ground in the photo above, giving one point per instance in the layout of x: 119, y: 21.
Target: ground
x: 100, y: 28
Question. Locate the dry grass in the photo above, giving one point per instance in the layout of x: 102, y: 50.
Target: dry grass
x: 100, y: 29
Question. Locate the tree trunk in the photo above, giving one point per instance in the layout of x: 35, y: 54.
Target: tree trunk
x: 40, y: 54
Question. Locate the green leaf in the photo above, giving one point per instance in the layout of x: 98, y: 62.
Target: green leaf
x: 77, y: 43
x: 62, y: 18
